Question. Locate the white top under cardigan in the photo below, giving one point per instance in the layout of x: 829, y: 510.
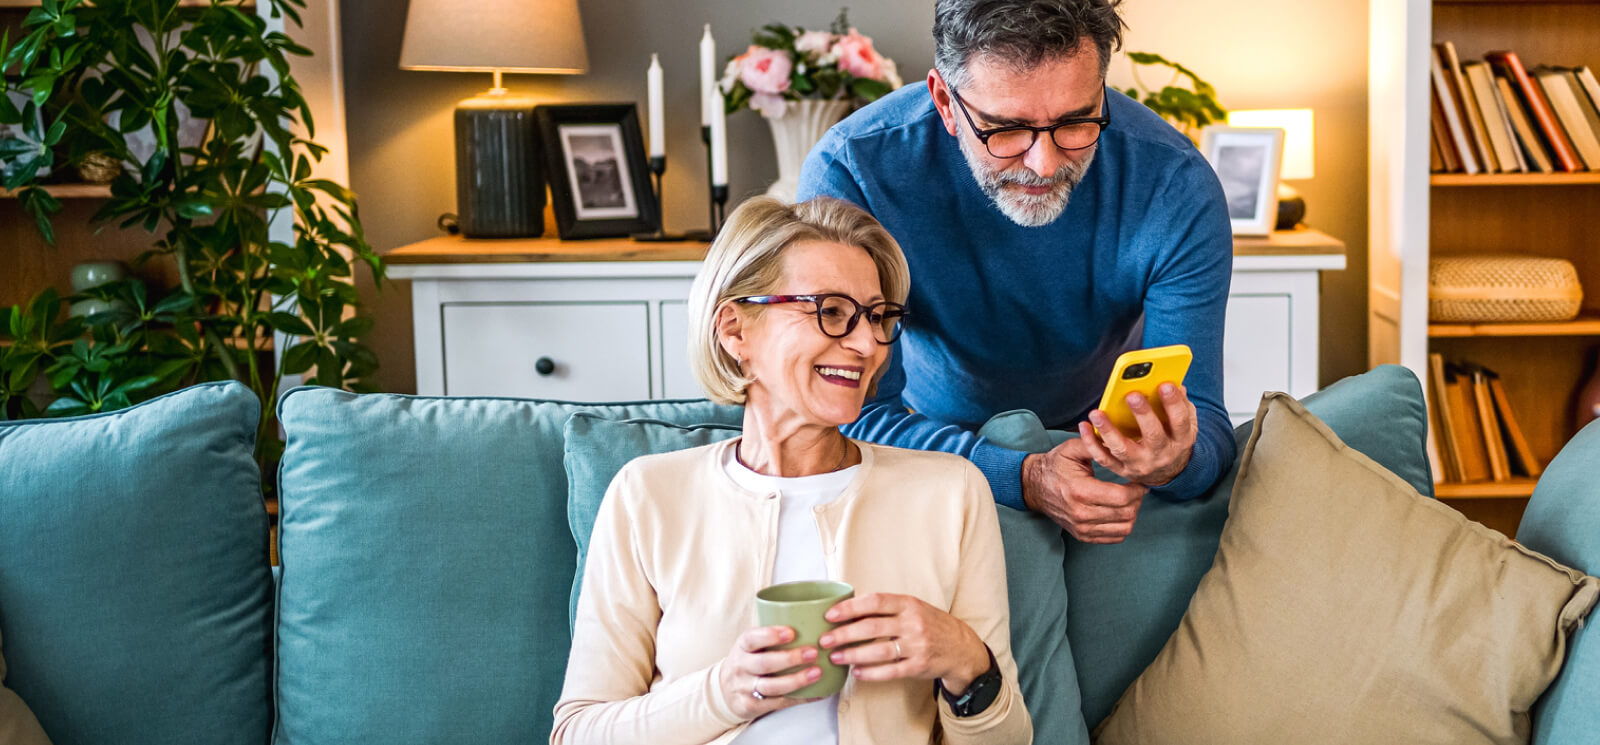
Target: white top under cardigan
x: 799, y: 557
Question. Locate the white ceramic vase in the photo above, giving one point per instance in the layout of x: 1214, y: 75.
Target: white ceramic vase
x: 794, y: 134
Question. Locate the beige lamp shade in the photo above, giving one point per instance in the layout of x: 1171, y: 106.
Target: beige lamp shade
x: 529, y: 36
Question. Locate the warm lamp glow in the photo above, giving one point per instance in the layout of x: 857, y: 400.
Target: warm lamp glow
x: 529, y: 36
x: 1298, y: 159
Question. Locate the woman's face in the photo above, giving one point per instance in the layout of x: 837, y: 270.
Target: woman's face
x: 799, y: 372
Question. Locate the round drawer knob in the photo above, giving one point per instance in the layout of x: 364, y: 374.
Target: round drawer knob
x: 544, y: 366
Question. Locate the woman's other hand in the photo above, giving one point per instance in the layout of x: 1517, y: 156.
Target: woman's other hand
x: 752, y: 668
x: 904, y: 638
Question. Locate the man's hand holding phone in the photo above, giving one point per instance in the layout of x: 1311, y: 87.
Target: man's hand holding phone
x: 1162, y: 450
x: 1148, y: 443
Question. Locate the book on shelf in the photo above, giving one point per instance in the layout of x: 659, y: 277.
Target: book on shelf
x: 1538, y: 158
x: 1563, y: 157
x: 1493, y: 112
x: 1588, y: 84
x: 1435, y: 160
x: 1523, y: 459
x: 1564, y: 102
x: 1441, y: 419
x: 1452, y: 115
x: 1586, y: 104
x: 1468, y: 106
x: 1469, y: 433
x: 1450, y: 161
x: 1493, y: 443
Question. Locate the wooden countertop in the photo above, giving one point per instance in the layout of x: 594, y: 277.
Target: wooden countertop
x: 454, y: 249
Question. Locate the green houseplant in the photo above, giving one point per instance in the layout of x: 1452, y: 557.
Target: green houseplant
x: 116, y: 76
x: 1189, y: 108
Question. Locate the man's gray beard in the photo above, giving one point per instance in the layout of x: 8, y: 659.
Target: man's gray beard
x: 1025, y: 209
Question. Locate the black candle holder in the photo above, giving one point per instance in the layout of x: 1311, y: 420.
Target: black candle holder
x: 658, y: 166
x: 719, y: 208
x: 710, y: 232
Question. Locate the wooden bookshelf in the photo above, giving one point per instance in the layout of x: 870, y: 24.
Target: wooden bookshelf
x: 1584, y: 325
x: 1433, y: 215
x: 1515, y: 179
x: 1519, y: 488
x: 67, y: 191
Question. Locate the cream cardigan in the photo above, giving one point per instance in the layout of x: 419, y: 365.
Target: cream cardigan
x: 679, y: 551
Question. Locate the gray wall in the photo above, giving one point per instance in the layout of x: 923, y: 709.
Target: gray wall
x: 1257, y: 52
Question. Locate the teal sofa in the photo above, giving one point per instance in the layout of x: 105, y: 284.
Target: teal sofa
x: 428, y: 549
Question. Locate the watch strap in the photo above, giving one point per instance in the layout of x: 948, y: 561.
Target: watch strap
x: 980, y: 693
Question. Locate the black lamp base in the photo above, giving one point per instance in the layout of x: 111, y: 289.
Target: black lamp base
x: 499, y: 177
x: 1291, y: 208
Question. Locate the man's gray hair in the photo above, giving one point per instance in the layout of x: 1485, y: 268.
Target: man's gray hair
x: 1020, y: 33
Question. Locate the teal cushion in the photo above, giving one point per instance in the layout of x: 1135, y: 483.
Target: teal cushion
x: 1128, y: 598
x: 1562, y: 521
x: 135, y: 594
x: 1035, y: 549
x: 426, y: 565
x: 596, y: 449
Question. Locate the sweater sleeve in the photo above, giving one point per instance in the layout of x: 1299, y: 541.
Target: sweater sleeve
x: 607, y: 696
x: 828, y: 172
x: 1186, y: 304
x: 980, y: 600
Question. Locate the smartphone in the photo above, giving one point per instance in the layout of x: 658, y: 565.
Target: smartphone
x: 1143, y: 370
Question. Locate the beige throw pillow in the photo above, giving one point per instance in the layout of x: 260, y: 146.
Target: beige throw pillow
x: 1345, y: 608
x: 17, y: 724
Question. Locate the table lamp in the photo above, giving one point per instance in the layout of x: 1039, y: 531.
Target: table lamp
x: 499, y: 180
x: 1298, y: 158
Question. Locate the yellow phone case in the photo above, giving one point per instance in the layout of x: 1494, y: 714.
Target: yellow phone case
x: 1148, y: 368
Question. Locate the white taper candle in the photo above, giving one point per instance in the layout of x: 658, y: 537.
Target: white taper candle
x: 658, y: 132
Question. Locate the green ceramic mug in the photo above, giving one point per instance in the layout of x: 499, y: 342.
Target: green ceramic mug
x: 800, y: 606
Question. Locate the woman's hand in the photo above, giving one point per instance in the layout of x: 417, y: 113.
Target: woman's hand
x: 750, y: 668
x: 905, y: 638
x: 1162, y: 450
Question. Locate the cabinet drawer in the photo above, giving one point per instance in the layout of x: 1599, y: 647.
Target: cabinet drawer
x: 595, y: 351
x: 677, y: 381
x: 1256, y: 352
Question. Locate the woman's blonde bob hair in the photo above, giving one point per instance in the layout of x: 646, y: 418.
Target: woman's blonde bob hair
x: 747, y: 259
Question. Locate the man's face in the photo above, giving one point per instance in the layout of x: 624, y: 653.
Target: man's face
x: 1033, y: 188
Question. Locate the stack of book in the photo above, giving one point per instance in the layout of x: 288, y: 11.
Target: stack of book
x: 1477, y: 434
x: 1497, y: 116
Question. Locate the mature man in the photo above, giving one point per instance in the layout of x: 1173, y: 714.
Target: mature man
x: 1051, y: 224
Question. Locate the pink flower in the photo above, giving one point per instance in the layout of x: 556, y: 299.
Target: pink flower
x: 857, y: 57
x: 765, y: 70
x: 771, y: 105
x: 813, y: 44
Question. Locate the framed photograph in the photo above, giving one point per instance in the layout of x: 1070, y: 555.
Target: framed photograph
x: 594, y: 160
x: 1247, y: 161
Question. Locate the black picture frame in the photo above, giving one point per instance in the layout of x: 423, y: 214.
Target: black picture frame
x: 608, y: 201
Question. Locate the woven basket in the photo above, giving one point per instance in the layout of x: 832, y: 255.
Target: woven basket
x: 99, y: 167
x: 1502, y: 289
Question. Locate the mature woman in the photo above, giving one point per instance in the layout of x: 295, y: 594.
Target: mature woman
x: 792, y: 316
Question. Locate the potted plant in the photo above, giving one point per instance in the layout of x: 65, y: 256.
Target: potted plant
x: 129, y: 78
x: 803, y: 82
x: 1190, y: 108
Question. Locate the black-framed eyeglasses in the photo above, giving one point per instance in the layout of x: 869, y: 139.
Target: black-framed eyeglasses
x: 1076, y: 133
x: 837, y: 315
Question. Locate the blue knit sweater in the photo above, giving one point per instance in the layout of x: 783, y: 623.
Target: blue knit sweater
x: 1007, y: 317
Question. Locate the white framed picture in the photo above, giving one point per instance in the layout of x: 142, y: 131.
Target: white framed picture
x: 598, y: 171
x: 1247, y: 161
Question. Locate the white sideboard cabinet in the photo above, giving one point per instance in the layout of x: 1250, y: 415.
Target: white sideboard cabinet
x: 607, y: 320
